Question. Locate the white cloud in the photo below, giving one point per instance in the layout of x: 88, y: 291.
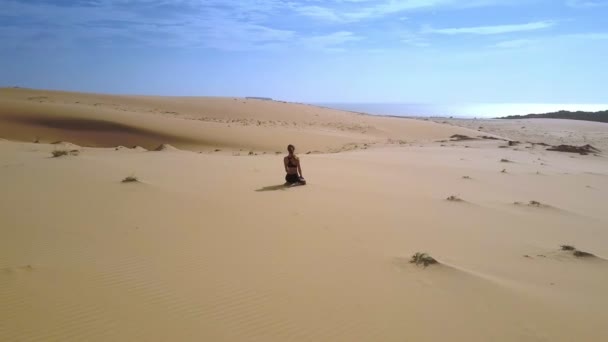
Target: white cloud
x: 490, y: 30
x: 512, y: 44
x: 589, y: 35
x: 230, y: 24
x: 195, y: 23
x: 579, y: 37
x: 350, y: 11
x: 413, y: 39
x: 361, y: 10
x: 586, y: 3
x: 318, y: 12
x: 238, y: 25
x: 330, y: 41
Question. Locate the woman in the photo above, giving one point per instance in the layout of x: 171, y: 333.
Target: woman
x: 293, y: 168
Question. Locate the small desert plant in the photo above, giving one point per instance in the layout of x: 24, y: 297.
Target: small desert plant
x: 576, y: 252
x: 503, y: 160
x: 423, y: 259
x: 454, y: 199
x: 130, y: 179
x: 60, y: 153
x: 250, y: 153
x: 534, y: 204
x: 466, y: 177
x: 503, y: 171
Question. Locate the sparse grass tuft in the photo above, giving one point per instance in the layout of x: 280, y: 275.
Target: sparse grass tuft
x: 130, y: 179
x: 576, y: 252
x: 60, y: 153
x: 534, y: 204
x: 423, y: 259
x: 460, y: 137
x: 466, y: 177
x: 503, y: 160
x: 454, y: 199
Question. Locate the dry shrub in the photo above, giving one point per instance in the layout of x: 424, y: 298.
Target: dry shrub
x: 423, y: 259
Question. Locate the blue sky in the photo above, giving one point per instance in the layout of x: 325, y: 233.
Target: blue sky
x: 431, y: 51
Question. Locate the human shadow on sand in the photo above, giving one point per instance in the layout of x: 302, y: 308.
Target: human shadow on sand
x: 273, y: 188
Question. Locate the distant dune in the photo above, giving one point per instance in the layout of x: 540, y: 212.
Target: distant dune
x: 197, y: 123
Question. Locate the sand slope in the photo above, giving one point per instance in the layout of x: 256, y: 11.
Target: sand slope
x: 549, y: 131
x: 210, y: 246
x: 198, y: 123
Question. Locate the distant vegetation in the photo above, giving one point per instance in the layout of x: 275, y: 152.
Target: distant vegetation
x: 130, y: 179
x: 454, y: 199
x: 601, y: 116
x: 423, y: 259
x: 258, y: 98
x: 577, y: 253
x: 60, y: 153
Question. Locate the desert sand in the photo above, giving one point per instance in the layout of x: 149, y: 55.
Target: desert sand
x: 207, y: 245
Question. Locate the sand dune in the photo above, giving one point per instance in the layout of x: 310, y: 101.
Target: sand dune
x: 198, y: 123
x: 211, y: 247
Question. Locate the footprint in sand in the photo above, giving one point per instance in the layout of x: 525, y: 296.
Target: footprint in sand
x: 11, y: 270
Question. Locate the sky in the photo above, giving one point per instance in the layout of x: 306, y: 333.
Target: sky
x: 409, y: 51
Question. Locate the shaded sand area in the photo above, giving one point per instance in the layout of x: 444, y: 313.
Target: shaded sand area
x: 208, y: 246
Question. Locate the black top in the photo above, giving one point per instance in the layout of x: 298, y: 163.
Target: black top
x: 290, y: 163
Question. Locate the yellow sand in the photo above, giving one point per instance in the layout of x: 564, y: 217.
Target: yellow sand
x: 209, y: 247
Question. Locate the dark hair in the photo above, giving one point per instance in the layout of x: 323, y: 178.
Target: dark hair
x: 291, y: 148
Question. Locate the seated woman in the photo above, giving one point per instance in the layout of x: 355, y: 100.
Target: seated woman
x: 293, y: 168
